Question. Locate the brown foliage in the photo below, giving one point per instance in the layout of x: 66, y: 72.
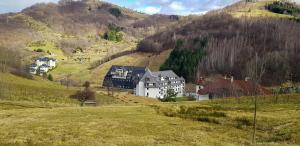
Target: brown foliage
x: 232, y: 43
x: 86, y: 94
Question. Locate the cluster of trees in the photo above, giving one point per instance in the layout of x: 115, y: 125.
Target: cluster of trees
x: 183, y: 61
x: 283, y: 7
x: 10, y: 60
x: 232, y: 44
x: 114, y: 33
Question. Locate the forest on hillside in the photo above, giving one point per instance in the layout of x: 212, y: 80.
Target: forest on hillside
x: 233, y: 43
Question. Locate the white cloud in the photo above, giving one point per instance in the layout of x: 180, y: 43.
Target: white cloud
x: 177, y: 6
x: 151, y: 10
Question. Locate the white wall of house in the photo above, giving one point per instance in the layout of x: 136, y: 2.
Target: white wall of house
x: 51, y: 63
x: 141, y: 90
x: 152, y: 92
x: 44, y: 69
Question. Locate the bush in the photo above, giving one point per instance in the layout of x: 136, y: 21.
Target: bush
x: 84, y: 95
x: 114, y: 33
x: 242, y: 121
x: 282, y: 7
x: 50, y: 77
x: 170, y: 96
x: 39, y: 50
x: 115, y: 11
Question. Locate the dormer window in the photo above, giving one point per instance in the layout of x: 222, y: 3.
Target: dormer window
x: 147, y: 79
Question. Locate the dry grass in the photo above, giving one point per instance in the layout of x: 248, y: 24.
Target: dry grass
x: 141, y: 125
x: 256, y: 9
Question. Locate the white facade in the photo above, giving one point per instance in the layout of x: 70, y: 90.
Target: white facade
x: 40, y: 62
x: 44, y: 69
x: 156, y: 84
x: 46, y: 61
x: 51, y: 63
x: 43, y: 64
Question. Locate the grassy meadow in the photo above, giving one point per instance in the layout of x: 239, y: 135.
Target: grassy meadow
x: 38, y: 92
x: 256, y: 9
x: 218, y: 123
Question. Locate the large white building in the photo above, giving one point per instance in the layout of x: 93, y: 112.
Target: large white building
x: 156, y: 84
x: 50, y: 62
x: 43, y: 64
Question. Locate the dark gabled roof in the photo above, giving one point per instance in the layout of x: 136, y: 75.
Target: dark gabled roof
x: 46, y: 59
x: 33, y: 65
x: 133, y: 75
x: 134, y: 69
x: 155, y: 78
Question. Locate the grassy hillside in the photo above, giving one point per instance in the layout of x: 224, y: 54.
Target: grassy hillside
x: 160, y: 124
x: 251, y: 9
x: 20, y: 92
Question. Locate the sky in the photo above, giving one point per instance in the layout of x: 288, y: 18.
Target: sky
x: 176, y: 7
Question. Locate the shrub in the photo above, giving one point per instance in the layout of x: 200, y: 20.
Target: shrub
x: 115, y: 11
x: 113, y: 33
x: 39, y: 50
x: 208, y: 120
x: 170, y: 96
x: 50, y: 77
x: 282, y: 7
x: 84, y: 95
x: 242, y: 121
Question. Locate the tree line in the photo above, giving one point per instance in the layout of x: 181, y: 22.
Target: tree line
x: 232, y: 44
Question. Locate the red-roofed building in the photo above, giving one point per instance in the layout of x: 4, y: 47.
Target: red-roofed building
x: 217, y: 87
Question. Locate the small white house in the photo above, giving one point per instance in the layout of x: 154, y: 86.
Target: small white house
x: 47, y: 61
x: 44, y: 64
x: 156, y: 84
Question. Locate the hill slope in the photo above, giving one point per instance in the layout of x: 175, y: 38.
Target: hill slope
x: 231, y: 43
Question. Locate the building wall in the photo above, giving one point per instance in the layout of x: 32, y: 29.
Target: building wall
x: 140, y: 89
x: 156, y: 92
x: 152, y: 92
x: 51, y: 63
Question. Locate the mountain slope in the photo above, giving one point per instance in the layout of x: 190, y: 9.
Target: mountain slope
x: 231, y: 44
x: 68, y: 25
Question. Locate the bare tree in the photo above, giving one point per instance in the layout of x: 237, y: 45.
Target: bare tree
x: 256, y: 69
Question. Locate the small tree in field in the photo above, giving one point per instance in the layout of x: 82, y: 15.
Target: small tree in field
x: 256, y: 70
x: 86, y: 94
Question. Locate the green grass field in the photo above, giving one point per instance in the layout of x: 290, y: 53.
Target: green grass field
x: 216, y: 123
x: 20, y: 92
